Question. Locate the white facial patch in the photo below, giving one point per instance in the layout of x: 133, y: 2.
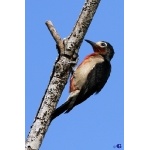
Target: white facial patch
x: 101, y: 44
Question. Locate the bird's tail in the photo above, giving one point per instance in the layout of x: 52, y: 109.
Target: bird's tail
x: 60, y: 110
x: 67, y: 106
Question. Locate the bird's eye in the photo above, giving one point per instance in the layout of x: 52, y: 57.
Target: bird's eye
x: 103, y: 44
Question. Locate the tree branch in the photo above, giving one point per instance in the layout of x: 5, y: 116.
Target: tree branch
x: 56, y: 36
x: 68, y: 51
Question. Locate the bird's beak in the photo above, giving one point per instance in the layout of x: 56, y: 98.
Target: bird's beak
x: 93, y: 44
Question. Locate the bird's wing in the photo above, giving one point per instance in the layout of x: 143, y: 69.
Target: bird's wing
x: 96, y: 80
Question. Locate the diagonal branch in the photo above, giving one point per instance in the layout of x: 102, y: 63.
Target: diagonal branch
x: 76, y: 37
x: 68, y: 51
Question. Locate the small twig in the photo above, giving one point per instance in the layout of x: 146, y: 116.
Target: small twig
x: 53, y: 31
x: 55, y: 35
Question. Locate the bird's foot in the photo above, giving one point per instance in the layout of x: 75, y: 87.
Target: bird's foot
x: 73, y: 63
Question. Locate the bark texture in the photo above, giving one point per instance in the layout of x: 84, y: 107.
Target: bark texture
x: 68, y: 53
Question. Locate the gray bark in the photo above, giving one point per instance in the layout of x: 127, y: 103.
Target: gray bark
x: 68, y: 53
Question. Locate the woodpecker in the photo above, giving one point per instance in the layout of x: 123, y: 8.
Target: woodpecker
x: 89, y: 77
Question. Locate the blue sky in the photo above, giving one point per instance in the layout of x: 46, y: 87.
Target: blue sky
x: 98, y: 122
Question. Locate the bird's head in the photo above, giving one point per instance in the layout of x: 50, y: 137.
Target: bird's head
x: 103, y: 48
